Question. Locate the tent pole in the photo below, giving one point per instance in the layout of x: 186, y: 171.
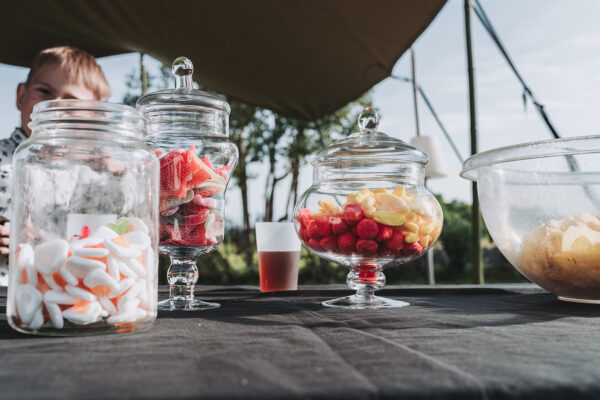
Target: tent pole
x: 429, y: 262
x: 476, y: 260
x: 143, y: 75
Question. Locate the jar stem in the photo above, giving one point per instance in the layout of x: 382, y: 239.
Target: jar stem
x: 182, y: 276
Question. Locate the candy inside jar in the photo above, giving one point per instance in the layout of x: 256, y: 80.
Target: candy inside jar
x: 368, y: 209
x: 102, y: 277
x: 191, y: 199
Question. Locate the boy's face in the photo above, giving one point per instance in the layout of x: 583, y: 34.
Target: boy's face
x: 48, y: 83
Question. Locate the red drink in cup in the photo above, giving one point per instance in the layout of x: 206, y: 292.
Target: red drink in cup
x: 278, y: 270
x: 278, y: 256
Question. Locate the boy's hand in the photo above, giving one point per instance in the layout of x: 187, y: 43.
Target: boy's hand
x: 4, y: 235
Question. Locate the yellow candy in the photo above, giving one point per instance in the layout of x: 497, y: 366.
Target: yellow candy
x: 380, y: 190
x: 399, y: 191
x: 389, y: 218
x: 351, y: 199
x: 393, y: 201
x: 316, y: 213
x: 427, y: 228
x: 371, y: 212
x: 329, y: 207
x: 412, y: 238
x: 411, y: 217
x: 424, y: 241
x: 411, y: 226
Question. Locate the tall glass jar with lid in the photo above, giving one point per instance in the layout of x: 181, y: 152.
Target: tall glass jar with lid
x: 84, y: 222
x: 189, y: 130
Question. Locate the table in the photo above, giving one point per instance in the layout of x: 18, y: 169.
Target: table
x: 484, y: 342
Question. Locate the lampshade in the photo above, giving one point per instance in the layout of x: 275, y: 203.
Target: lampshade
x: 436, y: 168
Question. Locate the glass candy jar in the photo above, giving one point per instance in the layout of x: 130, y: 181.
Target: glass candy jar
x: 368, y: 209
x: 188, y: 129
x: 84, y: 221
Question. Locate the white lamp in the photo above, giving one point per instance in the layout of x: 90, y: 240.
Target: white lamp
x: 436, y: 167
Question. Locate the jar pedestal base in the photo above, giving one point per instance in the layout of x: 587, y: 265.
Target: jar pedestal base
x: 358, y: 302
x: 186, y: 305
x: 575, y: 300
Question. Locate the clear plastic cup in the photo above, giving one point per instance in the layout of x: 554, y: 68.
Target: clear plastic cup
x: 278, y: 255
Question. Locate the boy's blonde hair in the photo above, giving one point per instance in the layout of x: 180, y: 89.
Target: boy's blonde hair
x: 78, y: 64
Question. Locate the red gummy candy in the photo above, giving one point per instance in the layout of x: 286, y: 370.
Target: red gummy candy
x: 304, y: 217
x: 355, y: 231
x: 367, y: 273
x: 314, y: 243
x: 207, y: 192
x: 338, y: 225
x: 346, y: 242
x: 412, y: 249
x: 396, y: 242
x: 385, y: 233
x: 313, y: 231
x: 367, y: 228
x: 323, y: 225
x: 328, y: 243
x: 303, y: 233
x: 85, y: 231
x: 366, y: 246
x: 353, y: 214
x: 197, y: 218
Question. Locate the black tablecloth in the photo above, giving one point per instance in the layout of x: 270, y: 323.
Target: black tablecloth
x: 452, y: 342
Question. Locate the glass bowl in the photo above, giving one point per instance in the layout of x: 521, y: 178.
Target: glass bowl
x: 368, y: 209
x: 540, y: 202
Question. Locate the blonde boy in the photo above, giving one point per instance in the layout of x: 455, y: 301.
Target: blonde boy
x: 56, y: 73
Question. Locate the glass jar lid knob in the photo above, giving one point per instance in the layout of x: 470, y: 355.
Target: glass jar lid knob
x: 368, y: 120
x: 183, y: 70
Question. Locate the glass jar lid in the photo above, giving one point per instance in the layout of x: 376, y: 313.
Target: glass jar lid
x: 369, y: 146
x: 185, y: 107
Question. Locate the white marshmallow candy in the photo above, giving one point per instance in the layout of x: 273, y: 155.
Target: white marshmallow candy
x: 38, y: 320
x: 81, y: 267
x: 131, y: 316
x: 124, y: 285
x: 136, y: 266
x: 131, y: 294
x: 51, y: 255
x: 80, y: 293
x: 28, y: 300
x: 31, y: 274
x: 126, y: 270
x: 90, y: 252
x: 55, y: 314
x: 107, y: 305
x: 89, y: 241
x: 138, y: 224
x: 52, y: 283
x: 129, y: 306
x: 100, y: 278
x: 104, y: 233
x: 25, y: 256
x: 59, y: 297
x: 93, y: 314
x: 143, y: 293
x: 138, y: 239
x: 68, y: 276
x: 113, y: 268
x: 122, y: 251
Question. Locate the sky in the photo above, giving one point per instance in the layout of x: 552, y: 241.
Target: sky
x: 555, y: 44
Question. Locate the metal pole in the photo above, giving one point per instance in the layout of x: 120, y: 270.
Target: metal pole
x: 143, y: 75
x: 429, y: 262
x: 414, y: 85
x: 475, y: 229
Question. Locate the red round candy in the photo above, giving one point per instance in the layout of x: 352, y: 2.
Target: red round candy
x: 328, y: 243
x: 366, y: 246
x: 385, y: 233
x: 304, y: 217
x: 314, y: 243
x: 352, y: 214
x: 346, y: 242
x: 367, y: 229
x: 412, y: 249
x: 323, y: 225
x: 338, y: 225
x: 396, y: 242
x: 303, y: 233
x: 313, y: 231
